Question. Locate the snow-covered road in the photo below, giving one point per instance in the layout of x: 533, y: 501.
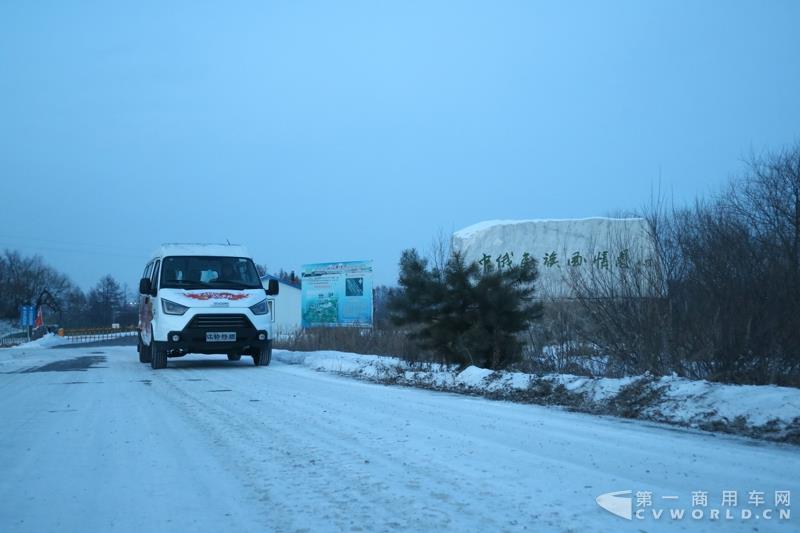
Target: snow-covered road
x: 96, y: 441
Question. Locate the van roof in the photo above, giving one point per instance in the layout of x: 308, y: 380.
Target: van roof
x: 224, y: 250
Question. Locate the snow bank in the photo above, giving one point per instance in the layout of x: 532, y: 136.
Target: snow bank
x: 761, y: 405
x: 767, y: 412
x: 473, y: 376
x: 344, y: 363
x: 31, y: 352
x: 50, y: 340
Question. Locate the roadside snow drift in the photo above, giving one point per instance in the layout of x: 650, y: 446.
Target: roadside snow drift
x: 768, y: 412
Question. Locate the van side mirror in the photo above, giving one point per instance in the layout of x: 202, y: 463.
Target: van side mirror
x: 272, y: 287
x: 144, y: 286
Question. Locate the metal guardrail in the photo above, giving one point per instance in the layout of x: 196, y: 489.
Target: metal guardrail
x: 98, y: 337
x: 12, y: 339
x: 75, y: 335
x: 96, y: 334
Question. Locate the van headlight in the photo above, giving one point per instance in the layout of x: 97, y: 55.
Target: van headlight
x: 171, y: 308
x: 261, y: 308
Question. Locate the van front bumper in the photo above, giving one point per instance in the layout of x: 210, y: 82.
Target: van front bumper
x: 191, y: 340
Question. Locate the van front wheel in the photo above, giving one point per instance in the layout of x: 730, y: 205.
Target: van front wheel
x: 158, y: 355
x: 263, y: 356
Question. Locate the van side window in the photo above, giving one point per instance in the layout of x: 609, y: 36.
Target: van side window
x: 154, y: 275
x: 146, y: 273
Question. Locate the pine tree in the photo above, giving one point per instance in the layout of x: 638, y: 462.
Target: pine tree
x: 465, y: 314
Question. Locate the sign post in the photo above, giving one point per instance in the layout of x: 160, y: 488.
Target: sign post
x: 27, y: 317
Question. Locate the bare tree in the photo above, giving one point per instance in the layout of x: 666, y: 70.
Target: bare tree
x: 720, y: 296
x: 24, y: 279
x: 440, y: 251
x: 623, y: 299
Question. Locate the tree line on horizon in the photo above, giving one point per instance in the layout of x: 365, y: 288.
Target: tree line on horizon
x: 24, y: 280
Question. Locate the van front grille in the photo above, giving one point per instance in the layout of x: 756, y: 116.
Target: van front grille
x: 220, y: 322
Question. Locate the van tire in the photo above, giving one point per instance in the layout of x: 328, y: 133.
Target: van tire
x: 158, y: 356
x: 144, y: 351
x: 234, y: 356
x: 263, y: 356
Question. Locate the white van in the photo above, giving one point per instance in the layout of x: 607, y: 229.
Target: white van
x: 203, y: 298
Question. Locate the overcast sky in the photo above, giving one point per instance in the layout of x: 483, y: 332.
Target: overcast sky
x: 324, y: 131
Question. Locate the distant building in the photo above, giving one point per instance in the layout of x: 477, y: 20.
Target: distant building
x: 285, y: 307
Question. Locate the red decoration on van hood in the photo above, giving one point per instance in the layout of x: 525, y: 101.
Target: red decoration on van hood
x: 216, y: 295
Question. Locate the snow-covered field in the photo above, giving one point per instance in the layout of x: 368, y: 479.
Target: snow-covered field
x: 93, y: 440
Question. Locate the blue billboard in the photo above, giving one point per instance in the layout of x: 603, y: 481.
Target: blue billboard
x: 337, y: 294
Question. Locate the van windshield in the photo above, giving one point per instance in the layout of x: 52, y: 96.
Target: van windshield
x: 203, y: 272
